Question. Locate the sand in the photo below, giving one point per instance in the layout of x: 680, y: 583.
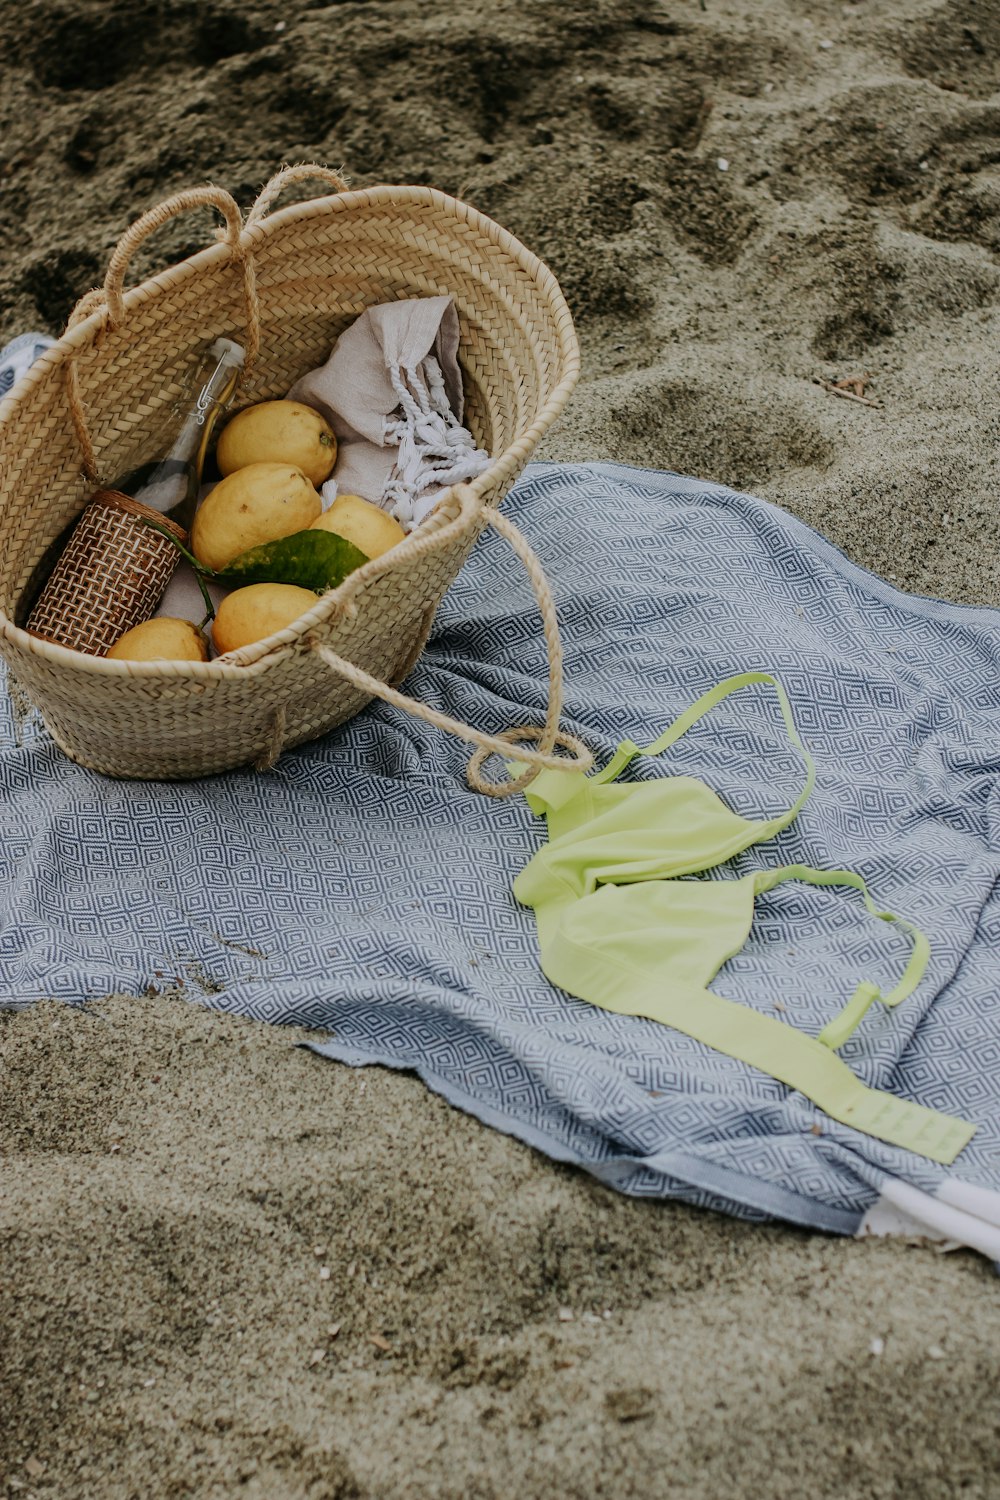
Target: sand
x: 231, y: 1268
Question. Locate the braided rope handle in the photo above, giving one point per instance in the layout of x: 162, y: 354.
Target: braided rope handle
x: 111, y: 297
x: 149, y: 222
x: 273, y: 189
x: 548, y: 735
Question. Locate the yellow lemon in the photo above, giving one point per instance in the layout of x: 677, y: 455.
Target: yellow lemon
x: 257, y: 504
x: 278, y: 432
x: 371, y: 529
x: 163, y: 639
x: 257, y: 611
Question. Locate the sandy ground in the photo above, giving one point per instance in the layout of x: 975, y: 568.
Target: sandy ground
x: 230, y: 1268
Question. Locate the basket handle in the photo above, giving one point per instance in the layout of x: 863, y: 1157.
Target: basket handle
x: 273, y: 189
x: 548, y: 735
x: 149, y: 222
x: 111, y: 298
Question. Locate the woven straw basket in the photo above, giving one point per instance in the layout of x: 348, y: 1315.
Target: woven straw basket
x: 286, y: 284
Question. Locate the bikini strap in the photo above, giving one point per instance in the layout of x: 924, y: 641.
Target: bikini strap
x: 628, y: 750
x: 847, y: 1020
x: 801, y: 1062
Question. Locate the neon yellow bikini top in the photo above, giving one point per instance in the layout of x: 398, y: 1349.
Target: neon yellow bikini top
x: 619, y: 929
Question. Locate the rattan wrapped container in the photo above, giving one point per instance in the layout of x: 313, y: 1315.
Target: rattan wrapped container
x: 286, y: 283
x: 110, y: 575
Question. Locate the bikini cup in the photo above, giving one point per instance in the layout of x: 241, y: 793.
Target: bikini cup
x: 619, y: 928
x: 603, y: 834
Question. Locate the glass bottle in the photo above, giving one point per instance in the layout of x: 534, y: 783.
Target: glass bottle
x: 170, y: 483
x: 109, y: 569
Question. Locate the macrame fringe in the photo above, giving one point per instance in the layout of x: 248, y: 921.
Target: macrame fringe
x: 435, y: 450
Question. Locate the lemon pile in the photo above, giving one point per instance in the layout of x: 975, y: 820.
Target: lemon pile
x: 272, y: 457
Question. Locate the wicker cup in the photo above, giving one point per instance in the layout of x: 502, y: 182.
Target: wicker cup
x: 110, y: 576
x: 286, y: 283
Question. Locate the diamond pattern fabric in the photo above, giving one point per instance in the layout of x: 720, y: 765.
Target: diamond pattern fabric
x: 361, y: 888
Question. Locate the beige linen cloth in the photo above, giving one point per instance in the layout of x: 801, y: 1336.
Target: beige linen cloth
x: 392, y: 392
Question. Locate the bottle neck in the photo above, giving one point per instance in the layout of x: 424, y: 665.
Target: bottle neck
x: 216, y: 382
x: 170, y: 483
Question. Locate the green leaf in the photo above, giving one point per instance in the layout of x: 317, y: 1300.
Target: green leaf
x: 318, y: 560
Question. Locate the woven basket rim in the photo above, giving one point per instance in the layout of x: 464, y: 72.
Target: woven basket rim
x: 275, y: 647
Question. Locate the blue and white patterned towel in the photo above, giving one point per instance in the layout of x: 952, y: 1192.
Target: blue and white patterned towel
x: 18, y: 356
x: 361, y: 888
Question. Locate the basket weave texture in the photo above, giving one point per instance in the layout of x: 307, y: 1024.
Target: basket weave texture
x: 286, y: 283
